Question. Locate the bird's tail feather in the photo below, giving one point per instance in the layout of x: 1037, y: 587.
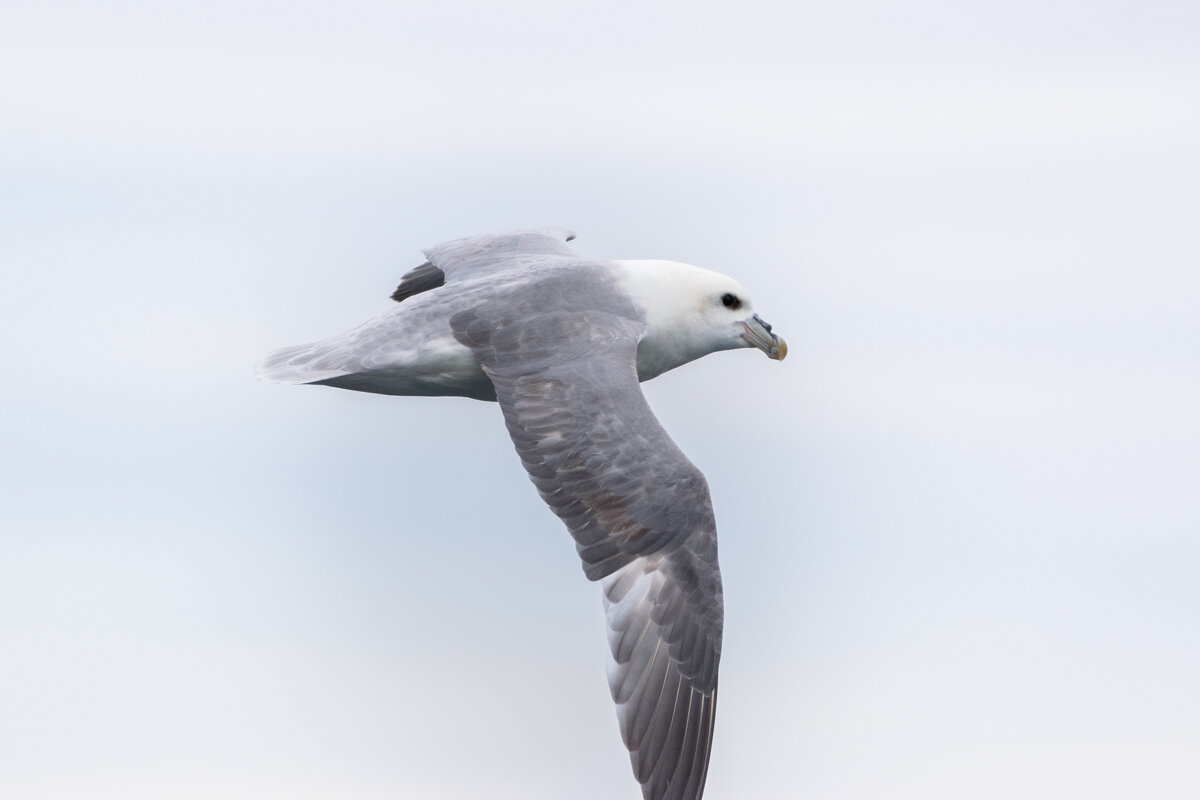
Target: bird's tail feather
x: 304, y: 363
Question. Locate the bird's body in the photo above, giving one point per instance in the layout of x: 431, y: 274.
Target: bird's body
x: 562, y: 342
x: 411, y: 350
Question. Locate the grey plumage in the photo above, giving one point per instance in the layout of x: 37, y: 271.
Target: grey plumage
x: 566, y: 379
x: 560, y: 342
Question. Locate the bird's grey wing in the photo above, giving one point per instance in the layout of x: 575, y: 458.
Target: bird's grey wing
x: 639, y: 511
x: 475, y: 255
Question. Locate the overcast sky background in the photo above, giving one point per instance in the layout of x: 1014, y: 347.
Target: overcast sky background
x: 960, y: 525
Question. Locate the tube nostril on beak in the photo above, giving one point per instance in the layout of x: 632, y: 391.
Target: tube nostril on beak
x: 763, y: 322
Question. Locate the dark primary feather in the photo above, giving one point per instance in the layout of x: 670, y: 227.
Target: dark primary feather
x: 562, y: 356
x: 419, y: 279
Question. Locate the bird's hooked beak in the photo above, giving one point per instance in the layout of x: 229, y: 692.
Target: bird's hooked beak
x: 758, y: 334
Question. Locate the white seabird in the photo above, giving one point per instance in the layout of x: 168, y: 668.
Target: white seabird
x: 562, y: 342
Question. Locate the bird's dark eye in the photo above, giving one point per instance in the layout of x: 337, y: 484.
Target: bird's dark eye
x: 730, y: 300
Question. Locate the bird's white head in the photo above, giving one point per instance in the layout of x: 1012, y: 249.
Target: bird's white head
x: 691, y: 312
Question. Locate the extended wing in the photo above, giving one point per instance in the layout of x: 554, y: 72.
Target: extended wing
x: 563, y: 361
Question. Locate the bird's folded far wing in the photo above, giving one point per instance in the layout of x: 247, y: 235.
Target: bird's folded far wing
x: 476, y: 255
x: 639, y: 511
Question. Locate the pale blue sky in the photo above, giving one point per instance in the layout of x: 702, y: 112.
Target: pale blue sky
x: 960, y: 530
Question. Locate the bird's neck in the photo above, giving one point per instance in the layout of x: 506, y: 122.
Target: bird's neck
x: 672, y: 336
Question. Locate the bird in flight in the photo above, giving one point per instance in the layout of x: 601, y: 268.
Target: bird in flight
x: 561, y: 343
